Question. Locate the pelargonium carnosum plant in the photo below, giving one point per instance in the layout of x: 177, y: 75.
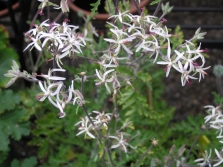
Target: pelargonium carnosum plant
x: 143, y: 34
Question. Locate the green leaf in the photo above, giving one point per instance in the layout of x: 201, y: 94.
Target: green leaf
x: 95, y: 7
x: 15, y: 163
x: 10, y: 125
x: 4, y: 141
x: 3, y: 155
x: 154, y: 2
x: 8, y: 100
x: 20, y: 129
x: 28, y: 162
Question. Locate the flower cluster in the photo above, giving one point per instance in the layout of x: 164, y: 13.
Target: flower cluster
x: 59, y: 40
x: 146, y: 35
x: 54, y: 89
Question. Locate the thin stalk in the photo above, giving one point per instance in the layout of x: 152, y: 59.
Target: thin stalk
x: 99, y: 135
x: 115, y: 2
x: 37, y: 62
x: 115, y: 112
x: 201, y: 130
x: 109, y: 154
x: 31, y: 61
x: 54, y: 65
x: 48, y: 13
x: 103, y: 159
x: 58, y: 17
x: 158, y: 8
x: 150, y: 97
x: 137, y: 7
x: 161, y: 17
x: 83, y: 57
x: 82, y: 84
x: 34, y: 19
x: 143, y: 156
x: 218, y: 81
x: 137, y: 59
x: 31, y: 79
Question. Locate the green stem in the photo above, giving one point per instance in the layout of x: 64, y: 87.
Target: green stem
x: 195, y: 141
x: 82, y: 84
x: 143, y: 156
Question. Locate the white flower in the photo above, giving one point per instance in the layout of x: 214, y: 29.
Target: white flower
x: 150, y: 19
x: 185, y: 74
x: 205, y: 160
x: 65, y: 28
x: 85, y: 127
x: 220, y: 158
x: 218, y: 125
x: 73, y: 43
x: 48, y: 91
x: 201, y: 71
x: 55, y: 38
x: 38, y: 28
x: 195, y: 54
x: 160, y: 31
x: 120, y: 16
x: 120, y: 40
x: 110, y: 58
x: 36, y: 43
x: 213, y: 112
x: 102, y: 119
x: 62, y: 113
x: 63, y: 6
x: 168, y: 60
x: 104, y: 79
x: 61, y: 103
x: 121, y: 142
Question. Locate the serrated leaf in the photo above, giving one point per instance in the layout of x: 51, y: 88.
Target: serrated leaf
x: 8, y: 100
x: 10, y: 125
x: 29, y: 162
x: 15, y: 163
x: 4, y: 141
x: 20, y: 129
